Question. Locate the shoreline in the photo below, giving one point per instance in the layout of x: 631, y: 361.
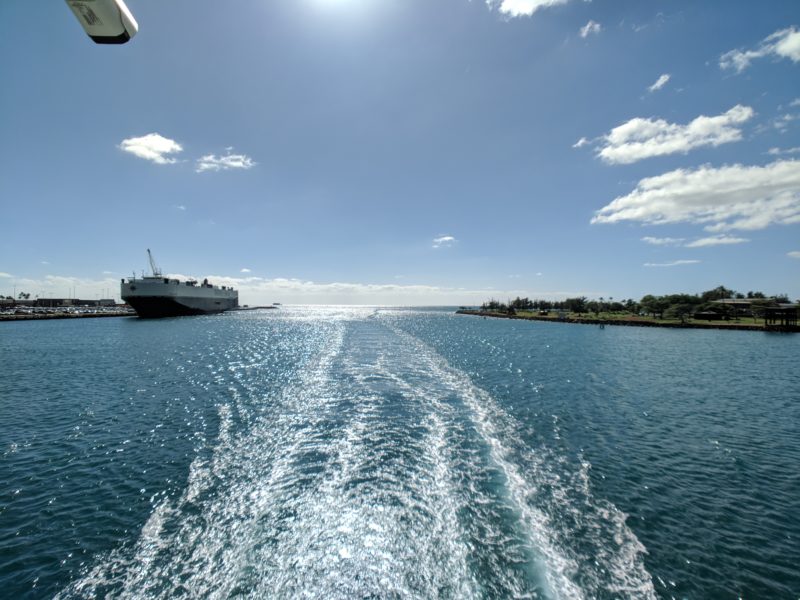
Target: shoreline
x: 627, y: 322
x: 47, y: 317
x: 122, y: 313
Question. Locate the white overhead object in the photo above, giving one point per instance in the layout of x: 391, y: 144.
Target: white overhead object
x: 106, y: 21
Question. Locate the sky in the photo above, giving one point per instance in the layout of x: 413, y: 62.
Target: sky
x: 404, y: 152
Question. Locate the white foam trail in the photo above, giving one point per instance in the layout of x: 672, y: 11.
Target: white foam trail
x: 351, y: 536
x: 366, y: 475
x: 213, y: 522
x: 622, y: 559
x: 250, y: 522
x: 558, y: 568
x: 372, y: 523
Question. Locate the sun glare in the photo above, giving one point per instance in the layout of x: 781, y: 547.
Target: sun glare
x: 355, y: 12
x: 335, y: 3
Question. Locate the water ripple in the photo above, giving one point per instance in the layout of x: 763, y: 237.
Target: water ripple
x: 340, y: 452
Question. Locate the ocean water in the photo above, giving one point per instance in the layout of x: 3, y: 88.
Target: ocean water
x: 336, y: 452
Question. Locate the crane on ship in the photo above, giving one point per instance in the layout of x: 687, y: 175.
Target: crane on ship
x: 156, y: 271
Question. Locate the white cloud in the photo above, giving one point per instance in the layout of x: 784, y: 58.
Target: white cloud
x: 590, y: 28
x: 522, y: 8
x: 725, y: 198
x: 580, y: 143
x: 716, y: 240
x: 180, y: 207
x: 153, y: 147
x: 674, y: 263
x: 781, y: 44
x: 782, y: 123
x: 644, y: 138
x: 660, y: 83
x: 793, y: 254
x: 795, y: 102
x: 444, y: 241
x: 665, y: 241
x: 211, y: 162
x: 160, y: 150
x: 780, y: 151
x: 259, y: 291
x: 245, y: 270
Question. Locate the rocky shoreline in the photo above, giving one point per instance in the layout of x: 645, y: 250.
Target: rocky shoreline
x: 624, y: 323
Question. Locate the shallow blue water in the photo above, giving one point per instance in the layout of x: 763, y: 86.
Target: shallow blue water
x: 358, y: 452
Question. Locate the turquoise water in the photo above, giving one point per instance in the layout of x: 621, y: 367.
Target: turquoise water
x: 359, y: 452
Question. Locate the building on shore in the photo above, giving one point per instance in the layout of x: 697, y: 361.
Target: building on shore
x: 782, y: 317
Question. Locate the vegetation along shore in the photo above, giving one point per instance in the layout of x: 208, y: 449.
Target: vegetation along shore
x: 720, y: 308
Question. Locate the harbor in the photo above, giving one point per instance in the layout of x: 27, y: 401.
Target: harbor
x: 80, y: 310
x: 538, y: 271
x: 400, y: 450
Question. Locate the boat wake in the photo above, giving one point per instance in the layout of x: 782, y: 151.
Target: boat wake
x: 380, y: 471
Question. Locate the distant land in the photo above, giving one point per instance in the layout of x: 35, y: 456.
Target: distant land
x: 719, y: 308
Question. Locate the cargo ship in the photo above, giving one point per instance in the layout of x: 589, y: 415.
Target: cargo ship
x: 154, y: 295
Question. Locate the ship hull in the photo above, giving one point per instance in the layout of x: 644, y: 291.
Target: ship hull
x: 153, y: 308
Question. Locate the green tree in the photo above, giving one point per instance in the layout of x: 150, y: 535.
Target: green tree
x: 631, y: 306
x: 718, y: 293
x: 648, y: 304
x: 679, y: 311
x: 655, y: 305
x: 576, y: 305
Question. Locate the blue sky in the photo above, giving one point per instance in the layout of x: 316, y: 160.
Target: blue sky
x: 405, y: 151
